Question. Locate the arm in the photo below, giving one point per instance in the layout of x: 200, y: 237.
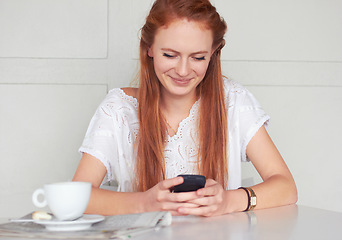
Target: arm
x: 105, y: 202
x: 278, y: 187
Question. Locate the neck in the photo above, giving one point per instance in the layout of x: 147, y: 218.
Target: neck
x: 176, y: 105
x: 175, y: 109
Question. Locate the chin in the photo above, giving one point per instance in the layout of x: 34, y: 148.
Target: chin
x: 182, y: 92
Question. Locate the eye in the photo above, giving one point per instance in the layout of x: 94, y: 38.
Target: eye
x: 199, y: 58
x: 168, y: 55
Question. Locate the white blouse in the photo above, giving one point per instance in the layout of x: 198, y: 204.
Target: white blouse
x: 114, y: 127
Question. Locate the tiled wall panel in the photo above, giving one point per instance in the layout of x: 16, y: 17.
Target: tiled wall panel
x: 42, y: 127
x: 306, y: 127
x: 53, y: 29
x: 262, y: 30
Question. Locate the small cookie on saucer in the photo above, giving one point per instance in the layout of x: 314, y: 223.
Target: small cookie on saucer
x: 40, y: 215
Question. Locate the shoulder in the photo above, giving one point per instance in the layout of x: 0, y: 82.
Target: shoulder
x: 234, y: 92
x: 118, y: 99
x: 123, y: 93
x: 237, y: 95
x: 133, y: 92
x: 233, y: 87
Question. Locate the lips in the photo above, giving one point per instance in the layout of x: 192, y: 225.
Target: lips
x: 181, y: 81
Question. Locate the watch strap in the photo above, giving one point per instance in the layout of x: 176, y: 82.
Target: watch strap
x: 252, y: 199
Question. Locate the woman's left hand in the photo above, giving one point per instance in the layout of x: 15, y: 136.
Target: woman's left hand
x: 212, y: 200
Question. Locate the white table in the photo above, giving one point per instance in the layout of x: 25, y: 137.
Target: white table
x: 289, y: 222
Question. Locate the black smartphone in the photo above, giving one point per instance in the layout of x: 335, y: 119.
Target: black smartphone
x: 191, y: 182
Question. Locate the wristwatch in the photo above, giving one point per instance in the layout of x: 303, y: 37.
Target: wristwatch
x: 253, y: 199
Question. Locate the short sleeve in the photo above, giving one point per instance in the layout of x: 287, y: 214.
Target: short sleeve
x: 99, y: 140
x: 111, y: 134
x: 245, y: 117
x: 251, y: 118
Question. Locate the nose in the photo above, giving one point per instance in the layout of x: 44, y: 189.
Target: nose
x: 183, y: 67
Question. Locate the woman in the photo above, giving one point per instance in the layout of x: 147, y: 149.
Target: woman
x: 184, y: 118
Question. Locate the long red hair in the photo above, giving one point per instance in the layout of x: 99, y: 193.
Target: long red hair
x: 150, y: 143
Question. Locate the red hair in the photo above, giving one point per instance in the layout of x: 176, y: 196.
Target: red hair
x: 150, y: 165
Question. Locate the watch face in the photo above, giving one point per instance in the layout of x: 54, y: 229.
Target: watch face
x: 253, y: 201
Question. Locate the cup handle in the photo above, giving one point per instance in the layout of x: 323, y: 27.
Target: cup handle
x: 35, y: 198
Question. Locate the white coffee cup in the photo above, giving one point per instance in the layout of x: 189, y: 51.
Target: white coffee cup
x: 66, y: 200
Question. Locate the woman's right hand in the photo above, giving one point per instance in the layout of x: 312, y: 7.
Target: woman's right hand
x: 160, y: 197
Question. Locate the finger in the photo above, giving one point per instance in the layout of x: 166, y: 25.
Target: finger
x: 166, y: 206
x: 171, y: 206
x: 169, y: 183
x: 209, y: 190
x: 182, y: 196
x: 176, y: 213
x: 189, y: 205
x: 210, y: 182
x: 200, y: 211
x: 204, y: 201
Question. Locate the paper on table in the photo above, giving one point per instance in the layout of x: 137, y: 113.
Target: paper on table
x: 148, y: 219
x: 112, y: 227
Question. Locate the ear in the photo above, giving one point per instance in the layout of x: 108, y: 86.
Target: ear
x: 150, y: 52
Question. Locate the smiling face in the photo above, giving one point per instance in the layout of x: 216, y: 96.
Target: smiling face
x: 181, y: 53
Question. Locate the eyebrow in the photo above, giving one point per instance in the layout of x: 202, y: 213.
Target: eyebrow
x: 171, y: 50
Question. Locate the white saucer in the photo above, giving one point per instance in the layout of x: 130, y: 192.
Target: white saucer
x: 79, y: 224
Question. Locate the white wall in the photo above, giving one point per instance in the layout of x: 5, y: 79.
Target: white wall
x: 53, y: 74
x: 59, y: 58
x: 288, y: 53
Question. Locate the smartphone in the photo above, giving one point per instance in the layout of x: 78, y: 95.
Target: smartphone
x: 191, y: 182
